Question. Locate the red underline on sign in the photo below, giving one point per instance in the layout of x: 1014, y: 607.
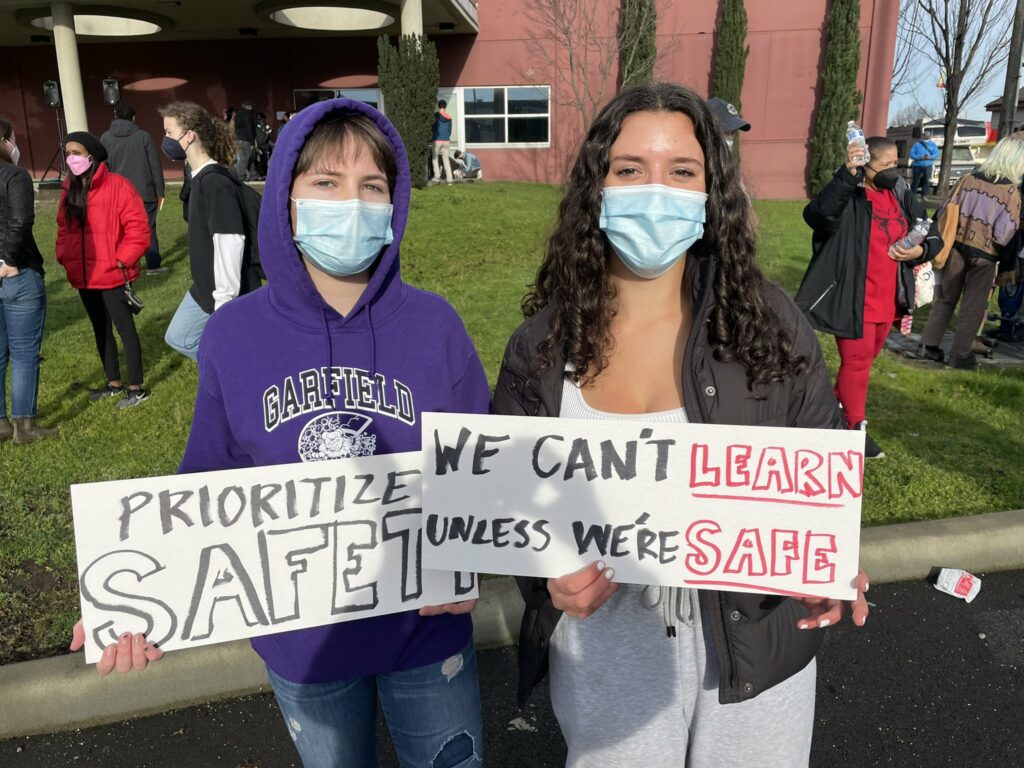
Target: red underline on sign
x: 755, y: 587
x: 796, y: 502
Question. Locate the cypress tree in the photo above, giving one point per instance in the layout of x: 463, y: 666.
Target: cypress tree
x: 638, y: 48
x: 731, y: 52
x: 839, y: 97
x: 409, y: 76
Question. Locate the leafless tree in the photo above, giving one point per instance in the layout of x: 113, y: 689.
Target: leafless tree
x: 909, y: 114
x: 574, y: 43
x: 908, y: 59
x: 969, y: 41
x: 573, y: 46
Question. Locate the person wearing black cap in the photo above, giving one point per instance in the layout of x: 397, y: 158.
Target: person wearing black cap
x: 102, y: 234
x: 728, y: 118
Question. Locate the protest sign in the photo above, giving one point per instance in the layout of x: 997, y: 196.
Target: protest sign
x: 752, y: 509
x: 215, y: 556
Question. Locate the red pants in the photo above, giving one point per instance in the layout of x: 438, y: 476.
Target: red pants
x: 856, y: 356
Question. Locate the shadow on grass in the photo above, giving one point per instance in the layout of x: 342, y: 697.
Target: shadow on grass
x: 956, y: 442
x: 159, y: 362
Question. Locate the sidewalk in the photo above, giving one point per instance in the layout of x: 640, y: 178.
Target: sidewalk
x: 62, y: 693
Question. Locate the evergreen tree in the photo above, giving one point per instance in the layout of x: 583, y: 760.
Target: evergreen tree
x: 839, y: 97
x: 731, y: 52
x: 638, y: 48
x: 409, y: 76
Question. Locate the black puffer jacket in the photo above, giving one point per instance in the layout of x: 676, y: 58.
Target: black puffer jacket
x: 756, y: 637
x: 17, y: 214
x: 832, y: 291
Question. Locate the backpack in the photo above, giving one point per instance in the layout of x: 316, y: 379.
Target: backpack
x: 251, y: 203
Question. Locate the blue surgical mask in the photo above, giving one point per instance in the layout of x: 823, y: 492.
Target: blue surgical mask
x: 342, y: 237
x: 651, y: 226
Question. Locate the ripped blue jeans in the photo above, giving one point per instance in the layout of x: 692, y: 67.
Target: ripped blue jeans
x: 433, y: 713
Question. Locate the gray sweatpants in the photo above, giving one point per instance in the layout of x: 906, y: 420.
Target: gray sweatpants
x: 626, y: 694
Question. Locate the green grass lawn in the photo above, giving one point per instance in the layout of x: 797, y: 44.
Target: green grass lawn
x: 953, y: 438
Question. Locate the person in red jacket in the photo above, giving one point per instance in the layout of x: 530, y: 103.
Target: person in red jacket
x: 102, y: 233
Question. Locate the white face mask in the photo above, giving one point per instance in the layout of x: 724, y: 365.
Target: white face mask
x: 15, y: 152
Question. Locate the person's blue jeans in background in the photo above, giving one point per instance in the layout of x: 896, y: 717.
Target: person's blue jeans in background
x: 186, y: 327
x: 153, y: 252
x: 920, y: 179
x: 22, y: 314
x: 433, y: 713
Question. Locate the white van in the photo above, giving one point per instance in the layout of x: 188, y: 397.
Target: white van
x: 971, y: 136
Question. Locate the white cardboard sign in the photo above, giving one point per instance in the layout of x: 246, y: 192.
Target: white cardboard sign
x: 208, y: 557
x: 750, y: 509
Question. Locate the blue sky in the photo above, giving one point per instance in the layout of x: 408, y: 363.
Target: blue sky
x: 931, y: 97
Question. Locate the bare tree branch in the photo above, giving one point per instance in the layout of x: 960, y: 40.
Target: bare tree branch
x: 969, y: 41
x: 907, y: 61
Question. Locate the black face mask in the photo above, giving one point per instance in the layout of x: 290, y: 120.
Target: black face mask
x: 886, y: 179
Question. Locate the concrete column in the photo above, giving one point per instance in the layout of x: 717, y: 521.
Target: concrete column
x: 65, y: 42
x: 412, y: 17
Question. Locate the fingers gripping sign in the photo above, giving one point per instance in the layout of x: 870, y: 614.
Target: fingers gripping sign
x: 581, y: 593
x: 128, y: 653
x: 825, y: 612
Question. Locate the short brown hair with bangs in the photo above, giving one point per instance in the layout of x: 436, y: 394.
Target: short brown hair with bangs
x: 334, y: 135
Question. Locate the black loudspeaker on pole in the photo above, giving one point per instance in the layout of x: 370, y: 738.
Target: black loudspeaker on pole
x: 51, y: 93
x: 111, y: 92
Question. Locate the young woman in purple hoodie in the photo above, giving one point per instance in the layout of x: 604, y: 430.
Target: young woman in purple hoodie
x: 362, y: 354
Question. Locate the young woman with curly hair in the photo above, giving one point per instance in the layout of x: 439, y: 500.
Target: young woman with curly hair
x: 216, y: 220
x: 649, y: 306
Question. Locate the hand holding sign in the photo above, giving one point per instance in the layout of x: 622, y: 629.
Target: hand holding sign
x: 826, y: 612
x: 581, y: 593
x: 128, y: 653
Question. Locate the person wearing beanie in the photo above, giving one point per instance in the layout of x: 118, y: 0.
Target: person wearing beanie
x: 102, y: 233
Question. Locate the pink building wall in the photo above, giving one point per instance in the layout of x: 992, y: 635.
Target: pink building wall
x: 779, y: 95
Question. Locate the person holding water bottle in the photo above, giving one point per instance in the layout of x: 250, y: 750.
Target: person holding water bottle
x: 861, y: 275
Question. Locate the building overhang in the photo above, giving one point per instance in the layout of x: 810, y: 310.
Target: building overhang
x: 23, y: 23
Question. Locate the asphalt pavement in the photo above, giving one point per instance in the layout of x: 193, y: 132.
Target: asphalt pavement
x: 929, y: 681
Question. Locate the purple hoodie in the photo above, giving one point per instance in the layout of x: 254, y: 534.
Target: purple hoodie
x: 278, y: 365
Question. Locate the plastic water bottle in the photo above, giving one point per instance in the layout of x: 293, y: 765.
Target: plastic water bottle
x: 916, y: 236
x: 855, y: 135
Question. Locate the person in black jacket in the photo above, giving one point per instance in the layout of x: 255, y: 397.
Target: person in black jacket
x: 132, y: 153
x: 859, y: 281
x: 22, y: 297
x: 641, y: 310
x: 245, y: 133
x: 216, y: 221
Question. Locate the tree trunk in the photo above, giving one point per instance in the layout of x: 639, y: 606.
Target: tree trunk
x: 952, y: 115
x: 1008, y: 115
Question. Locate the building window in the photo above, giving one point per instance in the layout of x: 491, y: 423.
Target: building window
x: 303, y: 97
x: 519, y: 115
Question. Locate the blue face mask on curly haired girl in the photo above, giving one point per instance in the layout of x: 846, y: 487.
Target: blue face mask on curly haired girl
x: 651, y: 226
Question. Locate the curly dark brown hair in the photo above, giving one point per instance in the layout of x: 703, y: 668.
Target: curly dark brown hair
x: 575, y: 277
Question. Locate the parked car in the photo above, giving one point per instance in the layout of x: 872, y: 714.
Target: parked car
x: 963, y: 163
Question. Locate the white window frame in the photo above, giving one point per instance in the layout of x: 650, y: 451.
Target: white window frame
x: 506, y: 115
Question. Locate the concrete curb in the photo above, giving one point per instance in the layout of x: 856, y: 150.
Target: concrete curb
x: 62, y: 693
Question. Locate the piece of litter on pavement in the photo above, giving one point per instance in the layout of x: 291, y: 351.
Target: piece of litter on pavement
x: 519, y: 724
x: 958, y: 583
x: 982, y: 635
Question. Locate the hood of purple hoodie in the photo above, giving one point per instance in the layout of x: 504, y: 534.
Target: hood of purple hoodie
x: 290, y: 288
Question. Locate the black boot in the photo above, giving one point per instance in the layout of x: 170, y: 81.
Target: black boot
x: 27, y: 431
x: 871, y: 449
x: 6, y: 430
